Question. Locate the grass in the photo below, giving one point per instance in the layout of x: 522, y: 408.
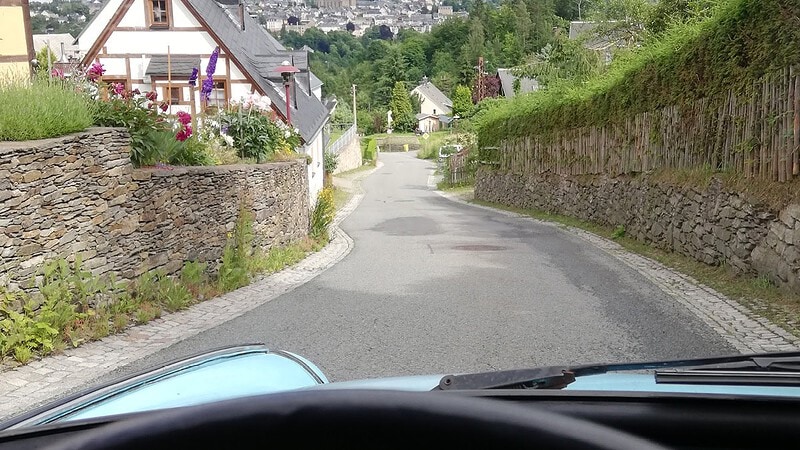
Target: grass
x: 756, y: 293
x: 40, y: 109
x: 430, y: 146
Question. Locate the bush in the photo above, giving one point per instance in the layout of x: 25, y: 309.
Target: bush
x: 42, y: 109
x: 370, y: 150
x: 255, y: 135
x: 323, y: 214
x: 330, y: 162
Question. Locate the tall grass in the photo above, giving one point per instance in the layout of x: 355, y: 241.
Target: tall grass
x: 41, y: 109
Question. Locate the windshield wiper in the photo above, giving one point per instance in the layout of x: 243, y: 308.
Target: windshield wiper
x: 736, y: 369
x: 538, y: 378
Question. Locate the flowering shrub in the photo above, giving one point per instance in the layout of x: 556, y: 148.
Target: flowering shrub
x: 248, y: 126
x: 208, y: 83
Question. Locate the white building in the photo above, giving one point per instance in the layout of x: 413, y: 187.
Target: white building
x: 155, y: 44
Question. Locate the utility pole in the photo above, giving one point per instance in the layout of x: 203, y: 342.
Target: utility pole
x: 355, y: 116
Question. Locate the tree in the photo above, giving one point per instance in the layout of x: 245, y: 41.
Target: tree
x: 462, y: 101
x: 523, y: 25
x: 42, y: 56
x: 402, y: 114
x: 350, y: 27
x: 475, y: 46
x: 386, y: 33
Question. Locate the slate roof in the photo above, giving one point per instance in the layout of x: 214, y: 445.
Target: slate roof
x: 259, y: 53
x: 507, y: 83
x: 178, y: 65
x: 433, y: 94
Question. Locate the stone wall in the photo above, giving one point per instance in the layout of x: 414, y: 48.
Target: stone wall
x: 710, y: 224
x: 79, y: 194
x: 350, y: 157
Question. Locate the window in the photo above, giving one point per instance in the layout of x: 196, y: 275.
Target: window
x: 158, y: 13
x: 174, y: 94
x: 219, y: 95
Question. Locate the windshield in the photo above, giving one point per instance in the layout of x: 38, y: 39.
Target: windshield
x: 395, y: 191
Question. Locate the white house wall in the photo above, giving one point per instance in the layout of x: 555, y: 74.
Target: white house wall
x: 92, y: 32
x: 156, y: 42
x: 315, y: 170
x: 135, y: 16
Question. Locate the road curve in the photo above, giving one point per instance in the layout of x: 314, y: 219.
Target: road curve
x: 433, y: 286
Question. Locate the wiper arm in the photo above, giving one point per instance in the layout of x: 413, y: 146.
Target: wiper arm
x: 539, y: 378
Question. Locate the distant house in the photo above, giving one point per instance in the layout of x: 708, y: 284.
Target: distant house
x: 511, y: 85
x: 62, y: 46
x: 435, y: 107
x: 155, y: 44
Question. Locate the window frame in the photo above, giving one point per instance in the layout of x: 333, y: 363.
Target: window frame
x: 150, y: 14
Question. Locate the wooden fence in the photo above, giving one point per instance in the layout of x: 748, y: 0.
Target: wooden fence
x: 755, y: 133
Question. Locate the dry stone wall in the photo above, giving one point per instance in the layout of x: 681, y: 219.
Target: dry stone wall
x: 710, y: 224
x: 79, y: 194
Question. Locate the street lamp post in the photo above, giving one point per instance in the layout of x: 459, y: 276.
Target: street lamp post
x: 287, y: 70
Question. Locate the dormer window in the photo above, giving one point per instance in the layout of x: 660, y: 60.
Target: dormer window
x: 158, y: 13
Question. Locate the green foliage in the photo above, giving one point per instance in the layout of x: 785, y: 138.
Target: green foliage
x: 234, y: 271
x: 618, y: 232
x: 330, y: 161
x: 705, y: 60
x: 39, y: 109
x: 402, y: 112
x: 193, y: 152
x: 462, y: 102
x: 370, y: 150
x: 255, y: 136
x: 322, y: 215
x: 43, y: 56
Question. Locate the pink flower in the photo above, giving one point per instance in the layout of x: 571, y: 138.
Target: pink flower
x: 163, y: 106
x: 184, y: 133
x: 184, y: 117
x: 152, y: 96
x: 95, y: 71
x: 119, y: 89
x: 58, y: 73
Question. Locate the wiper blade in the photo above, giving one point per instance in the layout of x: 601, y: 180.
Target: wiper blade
x: 728, y: 377
x: 539, y: 378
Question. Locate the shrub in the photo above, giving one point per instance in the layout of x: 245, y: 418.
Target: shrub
x: 41, y: 109
x: 330, y: 162
x: 235, y: 270
x: 323, y: 214
x: 370, y: 150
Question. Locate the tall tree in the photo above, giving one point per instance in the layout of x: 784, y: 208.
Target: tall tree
x: 400, y: 105
x: 475, y: 45
x: 462, y: 101
x: 523, y: 25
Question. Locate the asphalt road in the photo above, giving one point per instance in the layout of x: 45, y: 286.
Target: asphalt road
x: 433, y: 286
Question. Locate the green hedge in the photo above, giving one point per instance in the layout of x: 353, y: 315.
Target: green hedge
x: 742, y: 42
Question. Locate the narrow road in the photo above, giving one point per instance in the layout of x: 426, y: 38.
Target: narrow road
x: 433, y: 286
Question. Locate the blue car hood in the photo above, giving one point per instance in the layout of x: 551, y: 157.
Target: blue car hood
x: 250, y: 370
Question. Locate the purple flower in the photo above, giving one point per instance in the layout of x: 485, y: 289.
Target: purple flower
x: 205, y: 91
x: 212, y: 63
x: 193, y: 78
